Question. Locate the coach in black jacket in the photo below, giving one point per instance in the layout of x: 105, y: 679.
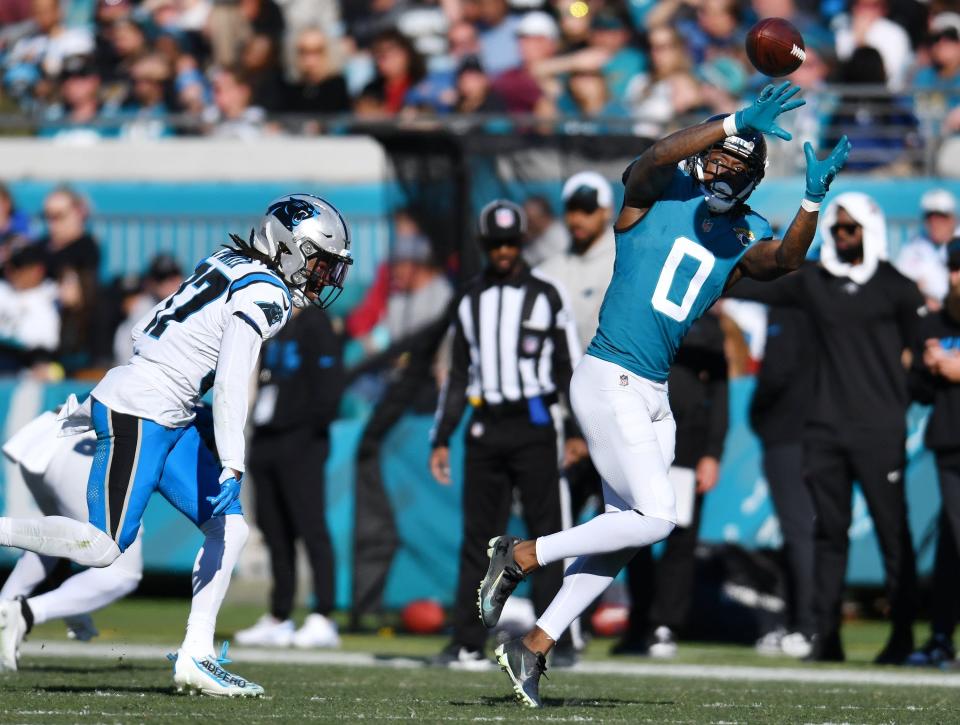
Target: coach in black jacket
x: 514, y: 347
x: 865, y: 314
x: 936, y: 380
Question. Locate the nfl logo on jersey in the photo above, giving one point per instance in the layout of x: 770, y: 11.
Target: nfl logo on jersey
x: 624, y: 380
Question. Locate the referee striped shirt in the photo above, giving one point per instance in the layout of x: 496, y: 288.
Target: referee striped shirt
x: 514, y: 339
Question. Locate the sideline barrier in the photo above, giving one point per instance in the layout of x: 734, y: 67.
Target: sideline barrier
x: 428, y: 514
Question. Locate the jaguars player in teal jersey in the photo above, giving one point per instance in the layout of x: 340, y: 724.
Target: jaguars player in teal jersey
x: 684, y: 235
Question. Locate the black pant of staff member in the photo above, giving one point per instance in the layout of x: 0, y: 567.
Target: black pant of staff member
x: 513, y: 347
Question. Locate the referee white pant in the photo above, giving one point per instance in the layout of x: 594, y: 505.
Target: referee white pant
x: 630, y: 431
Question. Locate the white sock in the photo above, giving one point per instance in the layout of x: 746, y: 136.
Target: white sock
x: 585, y: 580
x: 59, y: 536
x: 91, y: 589
x: 225, y: 537
x: 603, y: 534
x: 30, y: 570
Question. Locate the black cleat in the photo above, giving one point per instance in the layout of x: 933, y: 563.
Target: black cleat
x: 524, y: 668
x: 898, y: 648
x: 826, y: 648
x: 502, y: 578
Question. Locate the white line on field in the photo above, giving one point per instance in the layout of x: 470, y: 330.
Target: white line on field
x: 637, y: 669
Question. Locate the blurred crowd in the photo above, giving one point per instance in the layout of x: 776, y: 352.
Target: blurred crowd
x: 57, y: 316
x: 86, y: 69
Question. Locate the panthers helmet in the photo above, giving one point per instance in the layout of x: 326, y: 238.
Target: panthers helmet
x: 728, y: 188
x: 307, y: 242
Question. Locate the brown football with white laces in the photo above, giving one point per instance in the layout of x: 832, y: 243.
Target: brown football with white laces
x: 775, y: 47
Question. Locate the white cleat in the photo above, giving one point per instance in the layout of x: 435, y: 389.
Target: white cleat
x: 267, y: 632
x: 771, y: 642
x: 206, y: 676
x: 81, y: 628
x: 317, y: 632
x: 663, y: 644
x: 796, y: 645
x: 13, y: 628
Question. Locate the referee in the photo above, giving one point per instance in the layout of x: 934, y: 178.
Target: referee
x: 514, y: 347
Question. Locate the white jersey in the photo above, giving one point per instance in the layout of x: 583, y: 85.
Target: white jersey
x: 205, y: 335
x: 29, y: 318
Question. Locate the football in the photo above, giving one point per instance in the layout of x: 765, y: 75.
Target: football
x: 423, y: 616
x: 775, y: 47
x: 610, y: 620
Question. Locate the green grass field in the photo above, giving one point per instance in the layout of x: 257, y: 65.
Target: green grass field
x: 115, y: 688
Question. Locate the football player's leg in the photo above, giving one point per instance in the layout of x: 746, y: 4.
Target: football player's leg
x: 224, y: 539
x: 58, y: 536
x: 631, y: 452
x: 130, y: 456
x: 189, y: 477
x: 30, y: 570
x: 91, y: 589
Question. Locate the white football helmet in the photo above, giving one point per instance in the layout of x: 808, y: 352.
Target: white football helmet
x: 306, y: 241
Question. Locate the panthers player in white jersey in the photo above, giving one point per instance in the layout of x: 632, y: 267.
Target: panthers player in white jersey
x: 206, y: 335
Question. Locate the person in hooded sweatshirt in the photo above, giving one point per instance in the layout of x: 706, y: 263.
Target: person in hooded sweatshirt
x: 865, y: 314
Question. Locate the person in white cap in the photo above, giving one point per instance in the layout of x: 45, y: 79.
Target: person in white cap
x: 538, y: 37
x: 586, y: 267
x: 924, y: 259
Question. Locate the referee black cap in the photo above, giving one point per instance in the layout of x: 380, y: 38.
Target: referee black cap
x: 502, y: 221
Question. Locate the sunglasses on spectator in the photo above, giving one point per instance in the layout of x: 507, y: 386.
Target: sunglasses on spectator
x: 848, y: 228
x: 491, y: 244
x: 950, y: 34
x: 311, y: 49
x: 77, y: 73
x: 55, y: 215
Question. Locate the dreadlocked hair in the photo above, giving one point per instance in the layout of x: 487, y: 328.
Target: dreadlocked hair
x: 246, y: 248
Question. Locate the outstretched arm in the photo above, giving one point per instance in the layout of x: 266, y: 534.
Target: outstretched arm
x: 649, y: 176
x: 771, y: 259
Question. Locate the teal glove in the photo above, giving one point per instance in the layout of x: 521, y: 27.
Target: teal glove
x: 762, y: 114
x: 820, y: 174
x: 229, y: 492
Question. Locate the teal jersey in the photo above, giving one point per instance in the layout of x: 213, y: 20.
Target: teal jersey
x: 671, y: 266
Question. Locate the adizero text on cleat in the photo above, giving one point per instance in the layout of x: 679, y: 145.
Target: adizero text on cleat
x: 502, y: 578
x: 206, y: 676
x: 524, y: 668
